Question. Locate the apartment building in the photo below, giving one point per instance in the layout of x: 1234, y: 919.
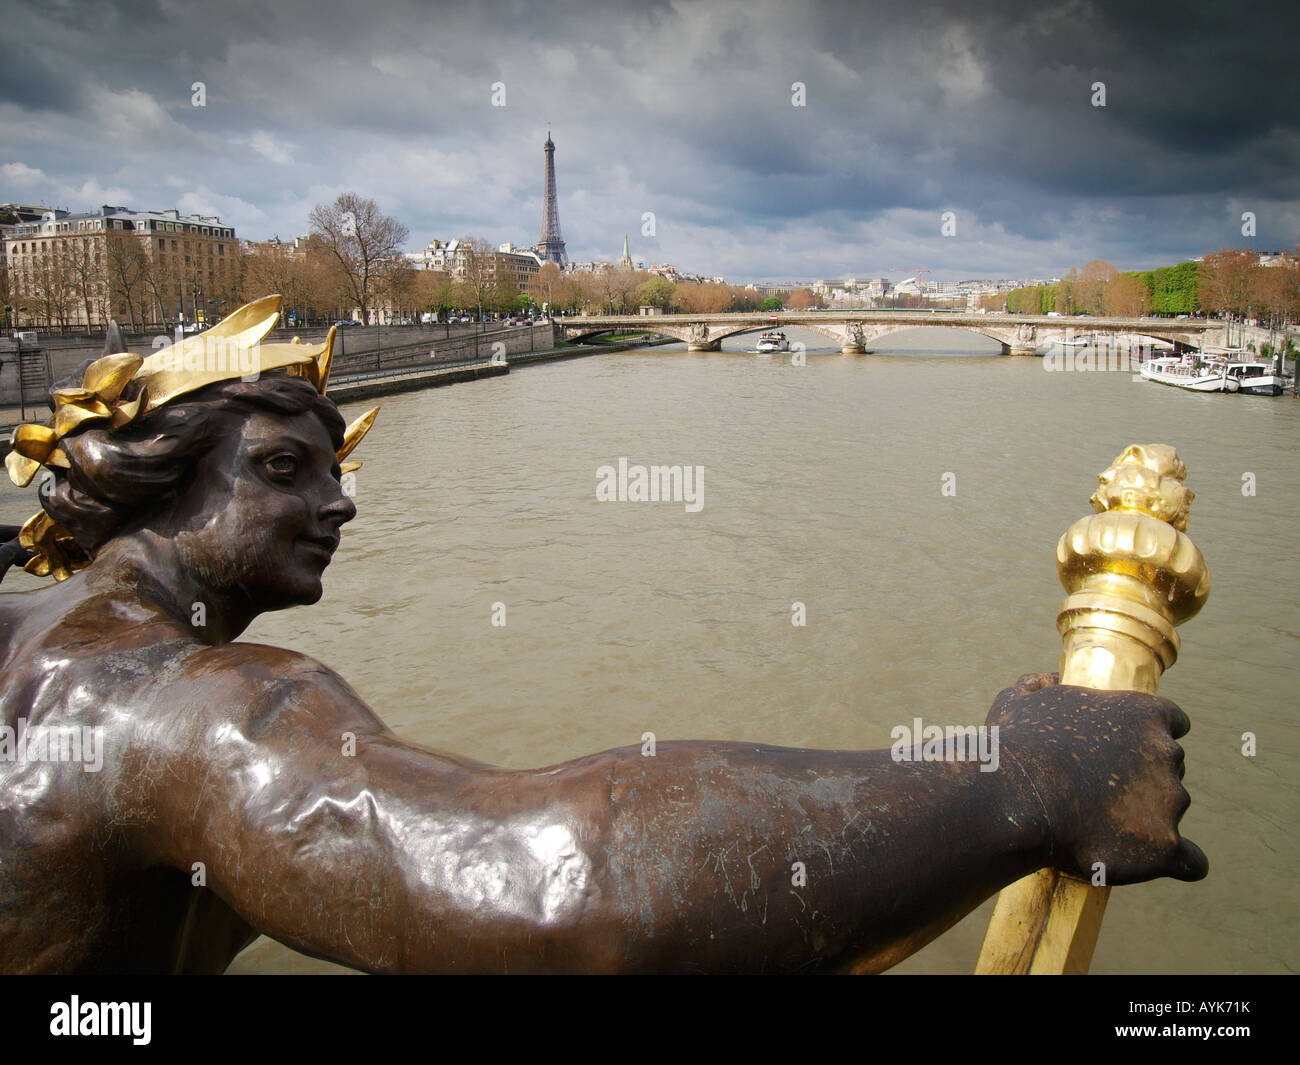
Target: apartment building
x: 507, y: 265
x: 140, y: 267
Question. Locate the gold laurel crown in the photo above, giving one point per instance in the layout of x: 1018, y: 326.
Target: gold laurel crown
x: 231, y: 349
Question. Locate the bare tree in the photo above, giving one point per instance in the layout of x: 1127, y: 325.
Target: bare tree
x: 1090, y: 288
x: 159, y: 283
x: 47, y: 284
x: 126, y: 265
x: 1225, y: 281
x: 1066, y: 295
x: 476, y: 264
x: 6, y: 297
x: 274, y: 268
x: 86, y: 268
x: 362, y: 240
x: 1124, y: 296
x: 401, y: 287
x: 434, y: 291
x: 545, y: 284
x: 707, y: 298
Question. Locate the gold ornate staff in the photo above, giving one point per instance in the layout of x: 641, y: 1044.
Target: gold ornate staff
x: 1132, y: 575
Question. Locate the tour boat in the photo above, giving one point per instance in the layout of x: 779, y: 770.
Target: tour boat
x: 1233, y: 373
x: 772, y: 341
x: 1183, y: 372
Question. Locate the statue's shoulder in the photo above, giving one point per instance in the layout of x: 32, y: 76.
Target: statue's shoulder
x: 257, y: 680
x: 258, y: 664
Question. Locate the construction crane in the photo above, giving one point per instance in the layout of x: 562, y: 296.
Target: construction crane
x: 916, y: 276
x: 918, y: 271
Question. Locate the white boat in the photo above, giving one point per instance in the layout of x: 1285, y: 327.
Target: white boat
x: 1077, y: 342
x: 1251, y: 377
x: 1184, y: 372
x: 1234, y: 372
x: 772, y: 341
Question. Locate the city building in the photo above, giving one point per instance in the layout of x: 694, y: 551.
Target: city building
x: 140, y: 267
x: 508, y: 264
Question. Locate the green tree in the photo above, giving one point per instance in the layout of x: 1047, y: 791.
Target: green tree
x: 657, y: 292
x: 772, y: 303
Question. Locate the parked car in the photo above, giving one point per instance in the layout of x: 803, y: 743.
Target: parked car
x: 345, y: 321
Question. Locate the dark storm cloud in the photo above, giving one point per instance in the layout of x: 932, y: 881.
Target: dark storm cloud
x: 683, y: 109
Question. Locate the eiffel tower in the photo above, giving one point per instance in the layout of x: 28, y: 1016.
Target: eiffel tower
x: 551, y: 246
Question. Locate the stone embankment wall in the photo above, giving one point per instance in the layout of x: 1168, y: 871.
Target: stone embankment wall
x: 355, y: 352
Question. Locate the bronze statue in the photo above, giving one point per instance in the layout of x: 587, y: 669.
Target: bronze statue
x: 245, y: 789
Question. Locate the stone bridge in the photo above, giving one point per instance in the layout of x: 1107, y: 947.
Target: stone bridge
x: 856, y: 331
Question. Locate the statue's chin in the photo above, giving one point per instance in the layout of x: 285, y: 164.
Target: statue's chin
x: 305, y: 593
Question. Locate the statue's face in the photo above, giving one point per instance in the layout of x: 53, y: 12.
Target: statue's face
x: 265, y: 511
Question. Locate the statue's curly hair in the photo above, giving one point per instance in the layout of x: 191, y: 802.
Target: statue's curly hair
x: 118, y: 477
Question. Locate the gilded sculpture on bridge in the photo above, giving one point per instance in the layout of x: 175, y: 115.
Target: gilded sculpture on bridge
x: 181, y: 503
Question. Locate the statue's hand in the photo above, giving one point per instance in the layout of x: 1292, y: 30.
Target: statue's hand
x: 1106, y: 770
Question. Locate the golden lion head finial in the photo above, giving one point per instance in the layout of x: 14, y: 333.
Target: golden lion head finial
x: 1146, y: 478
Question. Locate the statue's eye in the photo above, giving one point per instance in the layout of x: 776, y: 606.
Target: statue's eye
x: 283, y: 465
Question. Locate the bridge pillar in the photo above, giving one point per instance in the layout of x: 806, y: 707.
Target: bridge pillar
x: 1008, y: 349
x: 855, y: 340
x: 1026, y: 340
x: 699, y: 340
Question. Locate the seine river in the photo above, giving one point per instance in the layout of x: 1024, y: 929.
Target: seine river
x: 822, y: 485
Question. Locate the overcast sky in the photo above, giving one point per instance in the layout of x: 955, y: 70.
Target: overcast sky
x: 683, y: 109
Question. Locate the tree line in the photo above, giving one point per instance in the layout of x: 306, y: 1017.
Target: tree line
x: 1229, y: 283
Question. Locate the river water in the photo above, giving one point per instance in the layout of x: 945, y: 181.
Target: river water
x: 823, y: 485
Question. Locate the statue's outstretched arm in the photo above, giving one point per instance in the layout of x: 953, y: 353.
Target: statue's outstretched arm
x: 325, y: 831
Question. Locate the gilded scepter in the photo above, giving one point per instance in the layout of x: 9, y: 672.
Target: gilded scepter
x: 1132, y: 575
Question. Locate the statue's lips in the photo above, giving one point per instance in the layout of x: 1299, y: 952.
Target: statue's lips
x: 325, y: 545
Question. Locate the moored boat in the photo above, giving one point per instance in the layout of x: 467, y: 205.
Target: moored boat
x: 1234, y: 372
x: 1197, y: 375
x: 1253, y: 378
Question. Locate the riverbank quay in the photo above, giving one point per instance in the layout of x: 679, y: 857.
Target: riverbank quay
x: 580, y: 351
x: 357, y: 386
x: 352, y: 388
